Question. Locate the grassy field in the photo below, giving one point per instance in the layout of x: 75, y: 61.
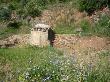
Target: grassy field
x: 48, y: 64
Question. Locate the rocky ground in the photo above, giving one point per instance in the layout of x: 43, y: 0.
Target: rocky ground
x: 76, y: 43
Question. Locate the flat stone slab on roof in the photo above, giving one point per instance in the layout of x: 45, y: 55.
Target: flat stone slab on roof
x: 42, y: 26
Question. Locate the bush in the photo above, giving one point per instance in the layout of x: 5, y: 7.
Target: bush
x: 100, y: 28
x: 32, y: 8
x: 91, y: 5
x: 13, y: 6
x: 25, y: 7
x: 5, y: 13
x: 86, y: 27
x: 103, y: 26
x: 14, y: 24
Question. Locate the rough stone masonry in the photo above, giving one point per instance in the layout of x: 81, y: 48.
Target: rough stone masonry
x: 39, y: 35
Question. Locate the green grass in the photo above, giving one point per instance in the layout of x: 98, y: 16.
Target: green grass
x: 64, y: 29
x: 22, y: 58
x: 100, y: 28
x: 49, y: 64
x: 24, y: 55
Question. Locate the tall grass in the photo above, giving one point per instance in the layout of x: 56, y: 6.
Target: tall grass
x: 99, y: 28
x: 64, y: 29
x: 103, y: 26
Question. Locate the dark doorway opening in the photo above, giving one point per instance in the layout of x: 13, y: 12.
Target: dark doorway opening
x: 51, y: 36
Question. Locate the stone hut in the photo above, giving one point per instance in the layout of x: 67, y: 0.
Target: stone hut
x: 39, y: 35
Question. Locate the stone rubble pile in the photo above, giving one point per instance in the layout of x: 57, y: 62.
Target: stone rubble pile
x: 14, y: 40
x: 76, y: 43
x: 65, y: 41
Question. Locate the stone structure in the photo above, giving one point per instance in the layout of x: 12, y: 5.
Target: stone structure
x: 39, y: 35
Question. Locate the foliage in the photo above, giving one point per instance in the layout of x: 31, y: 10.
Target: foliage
x: 86, y: 27
x: 14, y: 24
x: 5, y: 33
x: 32, y: 8
x: 99, y: 28
x: 90, y: 5
x: 61, y: 29
x: 27, y: 7
x: 5, y: 13
x: 103, y: 26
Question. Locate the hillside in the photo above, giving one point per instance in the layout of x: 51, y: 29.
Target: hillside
x: 79, y: 50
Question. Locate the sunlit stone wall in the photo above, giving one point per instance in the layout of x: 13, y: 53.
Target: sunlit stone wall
x: 39, y: 35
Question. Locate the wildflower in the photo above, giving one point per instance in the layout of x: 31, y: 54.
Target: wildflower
x: 47, y: 78
x: 64, y: 78
x: 27, y: 75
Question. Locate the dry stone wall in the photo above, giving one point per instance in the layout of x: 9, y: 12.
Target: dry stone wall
x: 14, y: 40
x: 77, y: 43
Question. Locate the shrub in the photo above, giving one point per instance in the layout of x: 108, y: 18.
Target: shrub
x: 5, y: 13
x: 13, y: 6
x: 103, y: 26
x: 32, y: 8
x: 100, y: 28
x: 91, y: 5
x: 86, y: 27
x: 14, y: 24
